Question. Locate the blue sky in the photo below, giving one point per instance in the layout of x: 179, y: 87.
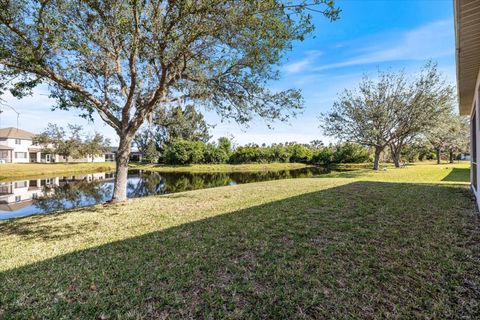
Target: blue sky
x: 369, y: 35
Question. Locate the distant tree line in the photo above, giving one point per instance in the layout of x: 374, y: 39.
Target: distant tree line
x: 180, y: 136
x: 70, y: 142
x: 183, y: 152
x: 393, y: 112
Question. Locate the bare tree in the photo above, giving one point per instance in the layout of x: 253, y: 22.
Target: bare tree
x: 424, y: 102
x: 124, y: 59
x: 366, y: 114
x: 390, y: 111
x: 451, y: 134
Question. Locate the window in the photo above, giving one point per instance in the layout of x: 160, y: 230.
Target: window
x: 18, y: 141
x: 21, y: 184
x: 5, y: 188
x: 21, y: 155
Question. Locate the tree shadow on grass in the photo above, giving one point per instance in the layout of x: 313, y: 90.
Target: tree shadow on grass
x: 361, y: 250
x: 458, y: 175
x: 36, y: 227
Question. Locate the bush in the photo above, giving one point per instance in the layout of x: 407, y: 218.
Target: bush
x: 350, y: 153
x: 323, y: 156
x: 181, y: 152
x: 225, y: 144
x: 214, y: 154
x: 151, y: 153
x: 184, y: 152
x: 410, y: 153
x: 248, y: 154
x: 300, y: 153
x: 280, y: 153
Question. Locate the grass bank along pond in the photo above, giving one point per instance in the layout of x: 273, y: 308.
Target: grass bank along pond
x: 32, y: 196
x: 400, y: 243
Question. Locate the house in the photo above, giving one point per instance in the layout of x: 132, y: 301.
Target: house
x: 467, y: 38
x: 17, y: 146
x: 135, y: 155
x: 18, y: 195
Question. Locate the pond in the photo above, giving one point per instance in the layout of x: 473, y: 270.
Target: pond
x: 26, y: 197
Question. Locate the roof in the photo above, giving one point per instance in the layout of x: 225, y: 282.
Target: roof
x: 467, y: 39
x: 15, y: 133
x: 15, y: 205
x: 114, y: 150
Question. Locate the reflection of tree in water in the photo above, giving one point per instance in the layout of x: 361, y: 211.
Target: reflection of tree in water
x: 72, y: 194
x: 144, y: 183
x: 176, y: 182
x: 147, y: 183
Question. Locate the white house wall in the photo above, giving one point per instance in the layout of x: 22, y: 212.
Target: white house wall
x: 22, y: 147
x: 26, y: 144
x: 27, y: 190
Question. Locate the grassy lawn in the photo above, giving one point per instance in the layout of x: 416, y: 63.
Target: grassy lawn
x: 427, y: 172
x: 14, y: 171
x: 401, y: 243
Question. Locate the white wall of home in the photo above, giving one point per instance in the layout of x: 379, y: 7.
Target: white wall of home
x: 20, y: 149
x: 26, y: 190
x: 475, y: 139
x: 21, y: 153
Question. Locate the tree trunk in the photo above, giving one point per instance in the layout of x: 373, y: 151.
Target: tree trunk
x: 376, y: 159
x: 451, y: 156
x: 122, y: 157
x: 438, y: 155
x: 395, y: 155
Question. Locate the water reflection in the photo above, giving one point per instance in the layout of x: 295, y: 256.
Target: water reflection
x: 26, y: 197
x: 73, y: 194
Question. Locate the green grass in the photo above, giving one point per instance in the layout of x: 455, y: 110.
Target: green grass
x: 401, y: 243
x: 457, y: 173
x: 204, y: 168
x: 12, y: 171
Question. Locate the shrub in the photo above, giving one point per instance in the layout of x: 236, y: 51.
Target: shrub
x: 300, y: 153
x: 249, y: 154
x: 350, y: 153
x: 151, y: 153
x: 225, y: 144
x: 214, y: 154
x: 280, y: 153
x: 184, y: 152
x: 323, y: 156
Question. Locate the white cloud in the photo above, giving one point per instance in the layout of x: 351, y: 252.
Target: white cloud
x: 425, y: 42
x: 303, y: 64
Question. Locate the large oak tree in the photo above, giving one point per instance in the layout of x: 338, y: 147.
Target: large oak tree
x: 123, y: 59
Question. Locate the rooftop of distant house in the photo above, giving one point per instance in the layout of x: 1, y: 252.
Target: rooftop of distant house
x: 16, y: 133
